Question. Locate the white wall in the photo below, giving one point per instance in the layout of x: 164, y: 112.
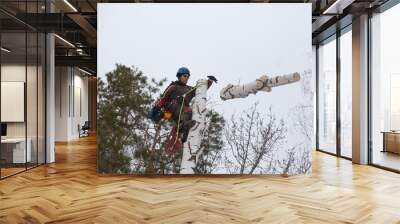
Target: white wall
x: 34, y: 125
x: 62, y: 82
x: 12, y: 73
x: 314, y: 75
x: 79, y: 117
x: 70, y: 83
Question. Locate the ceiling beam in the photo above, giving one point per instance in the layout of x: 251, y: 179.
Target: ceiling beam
x: 81, y: 61
x: 84, y: 24
x: 337, y: 6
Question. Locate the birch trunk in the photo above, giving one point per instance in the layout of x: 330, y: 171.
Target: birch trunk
x: 191, y: 148
x: 264, y: 83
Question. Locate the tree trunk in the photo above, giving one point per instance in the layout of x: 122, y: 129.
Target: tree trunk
x: 264, y: 83
x: 191, y: 148
x: 151, y: 162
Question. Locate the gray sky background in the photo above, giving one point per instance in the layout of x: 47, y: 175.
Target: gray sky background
x: 234, y: 42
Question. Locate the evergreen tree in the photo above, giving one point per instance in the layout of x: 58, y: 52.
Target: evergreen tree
x: 123, y: 102
x: 129, y: 142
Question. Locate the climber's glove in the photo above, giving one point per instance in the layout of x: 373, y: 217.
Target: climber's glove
x: 211, y: 79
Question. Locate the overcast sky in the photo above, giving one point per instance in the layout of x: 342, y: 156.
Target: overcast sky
x: 233, y: 42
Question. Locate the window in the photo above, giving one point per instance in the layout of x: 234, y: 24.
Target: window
x: 327, y: 96
x: 346, y: 93
x: 22, y: 98
x: 385, y: 88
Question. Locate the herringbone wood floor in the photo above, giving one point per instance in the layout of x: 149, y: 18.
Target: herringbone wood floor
x: 70, y: 191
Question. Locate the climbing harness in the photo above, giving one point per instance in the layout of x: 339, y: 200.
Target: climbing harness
x: 180, y: 111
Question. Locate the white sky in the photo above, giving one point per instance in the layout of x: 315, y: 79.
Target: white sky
x: 234, y: 42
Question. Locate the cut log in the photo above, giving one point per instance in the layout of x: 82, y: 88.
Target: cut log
x: 264, y: 83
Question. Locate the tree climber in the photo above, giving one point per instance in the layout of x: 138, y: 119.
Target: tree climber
x: 175, y: 104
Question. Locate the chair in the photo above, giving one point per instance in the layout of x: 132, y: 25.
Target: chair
x: 84, y: 130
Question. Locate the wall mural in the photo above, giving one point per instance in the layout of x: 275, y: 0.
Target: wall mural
x: 205, y: 89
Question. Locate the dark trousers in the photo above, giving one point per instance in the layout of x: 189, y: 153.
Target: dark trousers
x: 185, y: 115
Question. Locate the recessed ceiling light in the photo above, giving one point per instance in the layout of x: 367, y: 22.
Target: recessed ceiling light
x: 64, y: 40
x: 70, y: 5
x: 5, y: 50
x: 337, y: 7
x: 86, y: 72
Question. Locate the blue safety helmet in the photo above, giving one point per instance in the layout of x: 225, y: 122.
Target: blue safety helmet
x: 182, y: 71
